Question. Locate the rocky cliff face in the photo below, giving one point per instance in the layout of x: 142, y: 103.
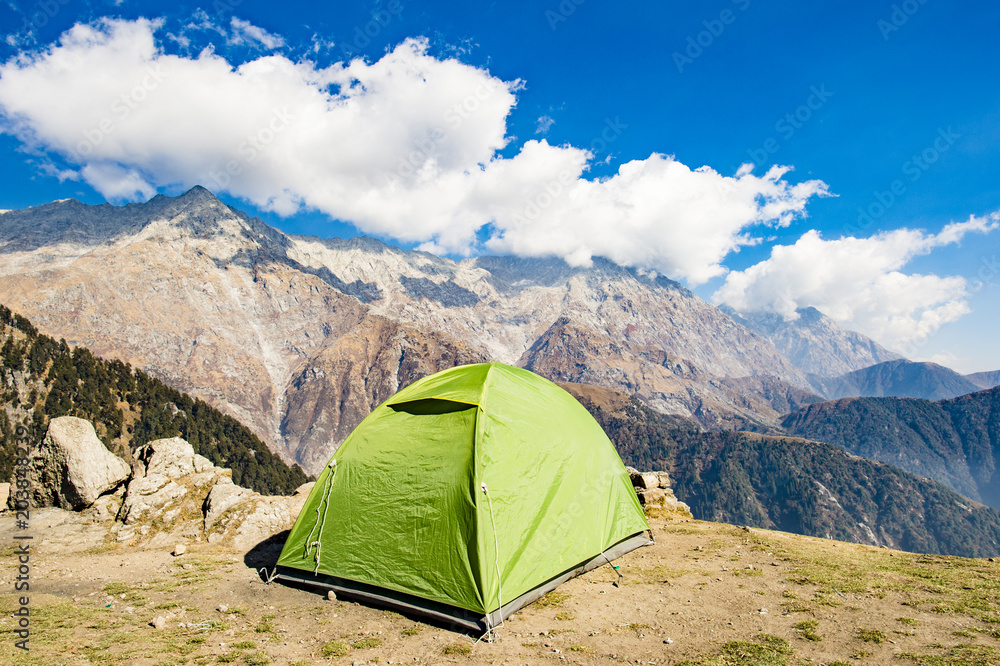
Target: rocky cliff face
x: 300, y: 337
x: 814, y: 342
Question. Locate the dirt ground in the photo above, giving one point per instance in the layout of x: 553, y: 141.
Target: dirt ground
x: 705, y: 592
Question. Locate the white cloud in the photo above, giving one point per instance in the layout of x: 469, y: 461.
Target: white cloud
x: 859, y: 283
x: 245, y: 32
x: 544, y: 124
x: 405, y: 147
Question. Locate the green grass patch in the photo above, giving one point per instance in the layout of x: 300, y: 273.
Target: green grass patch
x: 256, y: 659
x: 334, y: 649
x: 266, y: 625
x: 876, y: 636
x: 764, y: 650
x: 459, y: 648
x: 962, y: 655
x: 552, y: 599
x: 807, y: 630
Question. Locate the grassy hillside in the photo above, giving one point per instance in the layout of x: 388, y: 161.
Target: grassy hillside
x: 796, y: 485
x: 41, y: 378
x: 956, y: 442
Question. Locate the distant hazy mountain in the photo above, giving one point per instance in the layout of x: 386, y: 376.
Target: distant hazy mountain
x: 985, y: 380
x: 300, y: 337
x: 900, y: 378
x: 814, y: 342
x: 956, y: 441
x: 793, y: 484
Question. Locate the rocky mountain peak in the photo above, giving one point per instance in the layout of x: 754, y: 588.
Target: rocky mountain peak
x: 814, y: 342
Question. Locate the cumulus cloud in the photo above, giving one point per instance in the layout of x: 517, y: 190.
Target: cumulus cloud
x: 544, y: 124
x: 244, y: 32
x: 406, y: 147
x: 859, y: 283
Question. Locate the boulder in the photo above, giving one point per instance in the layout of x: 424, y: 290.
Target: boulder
x: 648, y: 496
x: 4, y: 495
x: 224, y: 495
x: 264, y: 518
x: 147, y: 497
x: 645, y: 480
x: 71, y: 468
x: 173, y: 458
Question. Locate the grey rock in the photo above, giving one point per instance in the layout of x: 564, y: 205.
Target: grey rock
x: 651, y: 496
x: 72, y: 467
x: 174, y: 458
x: 4, y: 495
x: 645, y: 480
x: 146, y: 498
x: 224, y: 496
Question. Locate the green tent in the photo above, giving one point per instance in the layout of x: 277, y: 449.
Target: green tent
x: 465, y: 496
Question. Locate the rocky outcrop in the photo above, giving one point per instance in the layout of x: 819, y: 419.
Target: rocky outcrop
x: 246, y: 518
x: 654, y: 492
x: 165, y: 471
x: 72, y: 467
x: 173, y: 495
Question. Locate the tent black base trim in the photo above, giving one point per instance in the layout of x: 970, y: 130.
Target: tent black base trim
x: 454, y: 618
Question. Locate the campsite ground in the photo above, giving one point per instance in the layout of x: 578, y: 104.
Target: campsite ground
x: 705, y: 592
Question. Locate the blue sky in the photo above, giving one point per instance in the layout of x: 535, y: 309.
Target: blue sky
x: 557, y: 128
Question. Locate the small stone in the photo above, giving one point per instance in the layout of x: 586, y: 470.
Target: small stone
x: 222, y: 608
x: 763, y: 611
x: 331, y: 595
x: 668, y: 641
x: 159, y: 622
x: 179, y: 550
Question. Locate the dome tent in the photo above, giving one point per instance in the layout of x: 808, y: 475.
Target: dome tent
x: 465, y: 496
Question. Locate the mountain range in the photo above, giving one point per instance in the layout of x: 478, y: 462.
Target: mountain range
x: 955, y: 441
x: 300, y: 337
x: 794, y: 484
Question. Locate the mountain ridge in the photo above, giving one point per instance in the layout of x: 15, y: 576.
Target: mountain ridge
x: 954, y: 441
x: 814, y: 342
x: 899, y: 378
x: 266, y: 326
